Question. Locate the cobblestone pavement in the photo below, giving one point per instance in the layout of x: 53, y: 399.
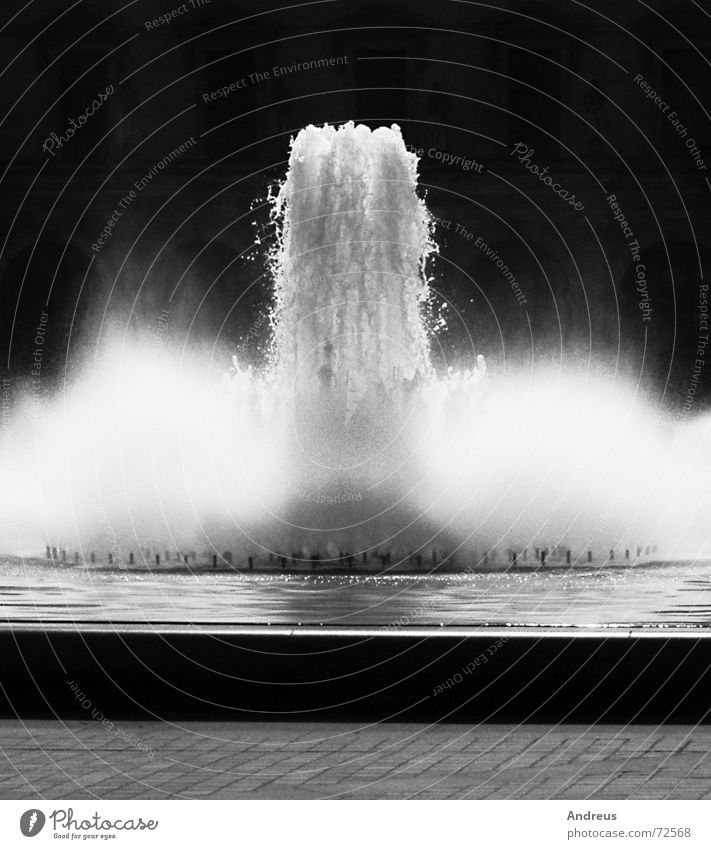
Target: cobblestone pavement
x: 223, y: 760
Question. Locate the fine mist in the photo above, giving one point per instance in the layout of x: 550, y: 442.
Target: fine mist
x: 350, y: 441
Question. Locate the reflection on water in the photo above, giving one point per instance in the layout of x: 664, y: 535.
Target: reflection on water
x: 661, y: 594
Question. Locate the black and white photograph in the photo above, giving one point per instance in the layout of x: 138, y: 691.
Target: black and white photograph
x: 355, y: 418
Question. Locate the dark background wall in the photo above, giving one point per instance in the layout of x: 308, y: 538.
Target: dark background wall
x: 465, y: 79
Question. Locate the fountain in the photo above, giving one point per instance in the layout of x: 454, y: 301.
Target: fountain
x: 354, y: 239
x: 351, y: 344
x: 351, y: 447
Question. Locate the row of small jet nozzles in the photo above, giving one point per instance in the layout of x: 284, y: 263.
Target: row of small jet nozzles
x: 59, y: 555
x: 445, y: 561
x: 542, y: 555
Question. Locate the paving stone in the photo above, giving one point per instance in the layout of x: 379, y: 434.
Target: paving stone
x: 44, y: 759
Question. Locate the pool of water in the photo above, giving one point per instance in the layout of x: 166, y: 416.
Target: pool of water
x: 659, y: 594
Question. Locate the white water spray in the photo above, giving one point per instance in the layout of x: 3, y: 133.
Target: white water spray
x: 351, y: 442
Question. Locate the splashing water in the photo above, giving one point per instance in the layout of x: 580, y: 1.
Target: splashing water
x: 351, y: 344
x: 350, y: 268
x: 351, y: 441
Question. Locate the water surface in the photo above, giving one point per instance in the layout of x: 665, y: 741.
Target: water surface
x: 662, y: 594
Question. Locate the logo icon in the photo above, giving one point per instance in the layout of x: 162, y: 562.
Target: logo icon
x: 32, y: 822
